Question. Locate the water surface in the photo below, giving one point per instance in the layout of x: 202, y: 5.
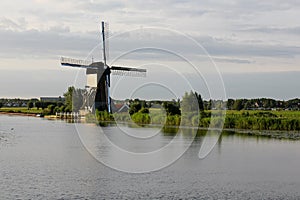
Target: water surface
x: 42, y: 159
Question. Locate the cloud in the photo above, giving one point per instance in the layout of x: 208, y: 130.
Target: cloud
x: 279, y: 85
x: 46, y: 44
x: 271, y: 30
x: 100, y: 6
x: 232, y: 60
x: 36, y: 84
x: 250, y: 50
x: 238, y: 34
x: 9, y: 24
x: 61, y: 41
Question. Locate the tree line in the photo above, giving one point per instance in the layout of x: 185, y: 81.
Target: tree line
x: 262, y: 104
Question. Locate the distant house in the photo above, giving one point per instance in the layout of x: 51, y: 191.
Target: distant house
x: 156, y: 105
x: 52, y: 99
x: 118, y: 108
x: 124, y: 108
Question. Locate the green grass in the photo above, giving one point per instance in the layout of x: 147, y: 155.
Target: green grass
x: 21, y: 110
x: 279, y: 114
x: 248, y: 120
x: 244, y: 119
x: 263, y: 120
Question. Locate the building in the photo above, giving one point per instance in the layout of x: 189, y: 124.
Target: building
x: 52, y: 99
x: 119, y: 108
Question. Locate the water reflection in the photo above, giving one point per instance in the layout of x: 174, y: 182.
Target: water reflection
x: 50, y: 156
x: 136, y: 150
x: 170, y: 130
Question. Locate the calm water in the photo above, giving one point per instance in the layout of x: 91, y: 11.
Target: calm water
x: 41, y: 159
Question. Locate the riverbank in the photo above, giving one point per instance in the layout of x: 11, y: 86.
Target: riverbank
x: 21, y: 110
x: 272, y: 124
x: 18, y: 114
x: 289, y: 135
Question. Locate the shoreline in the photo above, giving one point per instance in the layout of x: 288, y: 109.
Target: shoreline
x: 18, y: 114
x: 275, y: 134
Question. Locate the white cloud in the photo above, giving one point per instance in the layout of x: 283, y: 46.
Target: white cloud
x: 239, y: 34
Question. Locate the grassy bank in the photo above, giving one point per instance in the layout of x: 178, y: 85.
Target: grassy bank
x: 22, y: 110
x: 263, y: 120
x: 245, y: 120
x: 242, y: 120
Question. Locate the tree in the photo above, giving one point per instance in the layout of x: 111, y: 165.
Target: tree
x: 200, y: 101
x: 43, y: 105
x: 68, y: 98
x: 238, y: 104
x: 38, y: 104
x: 134, y: 107
x: 230, y: 103
x: 73, y: 99
x: 247, y: 105
x: 172, y: 108
x: 29, y: 105
x: 1, y: 104
x: 144, y: 111
x: 77, y: 99
x: 189, y: 102
x: 208, y: 105
x: 51, y: 108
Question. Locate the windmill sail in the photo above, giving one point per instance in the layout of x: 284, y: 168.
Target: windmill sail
x: 106, y: 35
x: 128, y: 71
x: 71, y: 62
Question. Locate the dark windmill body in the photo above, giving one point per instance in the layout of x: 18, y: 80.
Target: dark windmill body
x: 97, y: 95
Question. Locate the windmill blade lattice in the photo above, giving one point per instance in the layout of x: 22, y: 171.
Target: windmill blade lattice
x: 71, y: 62
x: 128, y: 71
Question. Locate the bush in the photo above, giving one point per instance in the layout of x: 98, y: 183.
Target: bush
x: 144, y: 110
x: 103, y: 116
x: 134, y: 107
x: 141, y: 118
x: 90, y: 118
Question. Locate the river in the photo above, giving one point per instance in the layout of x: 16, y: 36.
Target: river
x: 43, y: 159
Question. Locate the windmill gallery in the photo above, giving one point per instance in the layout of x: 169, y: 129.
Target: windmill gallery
x: 97, y: 95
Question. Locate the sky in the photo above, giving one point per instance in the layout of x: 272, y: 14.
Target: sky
x: 222, y: 49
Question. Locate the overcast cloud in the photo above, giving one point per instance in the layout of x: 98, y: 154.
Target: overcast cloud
x: 241, y: 36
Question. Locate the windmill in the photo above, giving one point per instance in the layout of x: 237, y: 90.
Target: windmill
x: 97, y: 95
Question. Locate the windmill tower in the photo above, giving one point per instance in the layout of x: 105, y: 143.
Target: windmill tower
x: 97, y: 95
